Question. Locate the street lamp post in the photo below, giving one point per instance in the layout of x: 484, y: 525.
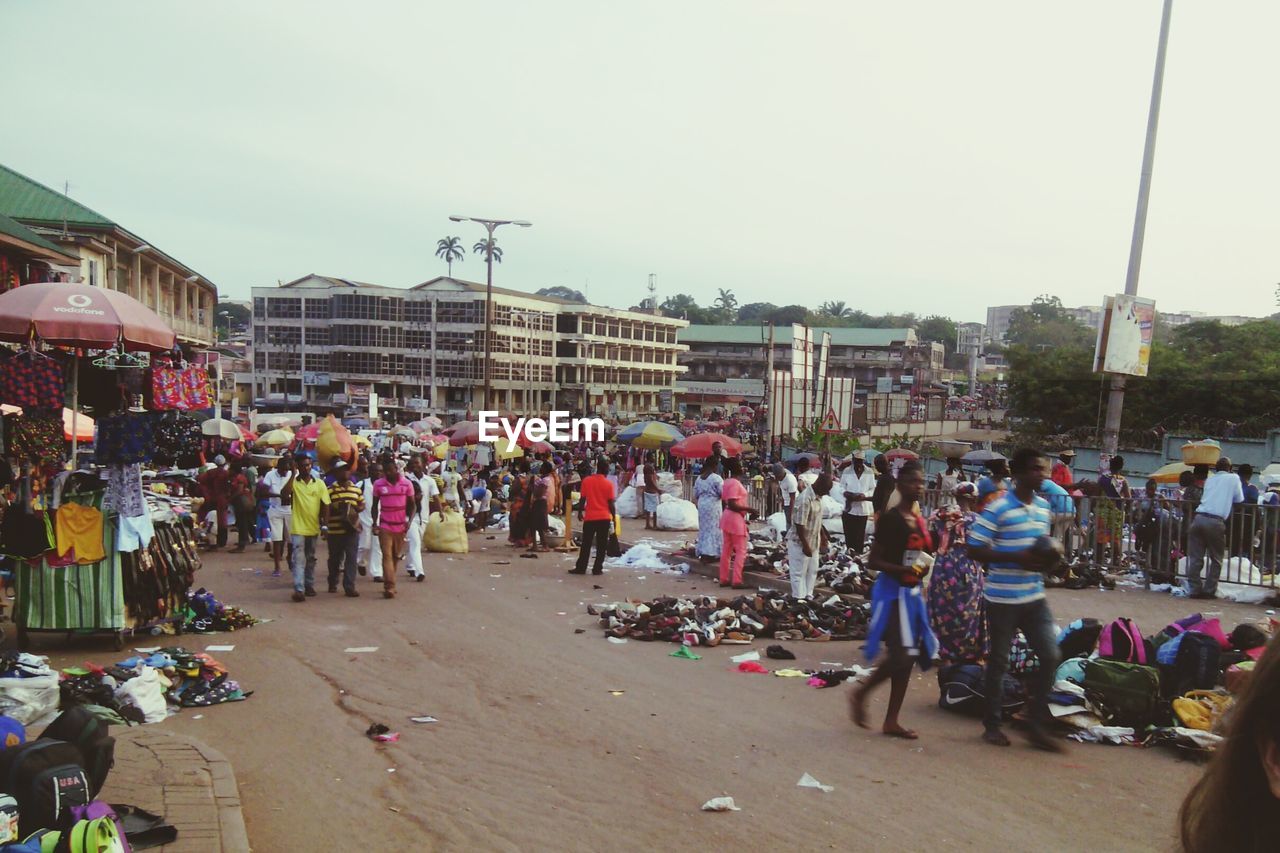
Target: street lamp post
x: 490, y: 226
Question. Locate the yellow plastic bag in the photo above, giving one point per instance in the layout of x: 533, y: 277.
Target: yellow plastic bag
x: 1200, y: 709
x: 333, y: 442
x: 447, y: 535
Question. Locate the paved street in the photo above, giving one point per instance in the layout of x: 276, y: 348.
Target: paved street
x: 533, y: 751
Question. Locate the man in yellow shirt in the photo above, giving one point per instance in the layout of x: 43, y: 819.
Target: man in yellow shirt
x: 308, y: 494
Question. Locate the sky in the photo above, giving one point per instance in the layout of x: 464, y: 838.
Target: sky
x: 932, y: 156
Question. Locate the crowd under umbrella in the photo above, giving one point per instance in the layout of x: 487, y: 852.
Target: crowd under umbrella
x: 81, y: 316
x: 650, y: 435
x: 698, y: 446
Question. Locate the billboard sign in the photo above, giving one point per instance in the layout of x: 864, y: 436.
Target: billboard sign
x: 1124, y: 336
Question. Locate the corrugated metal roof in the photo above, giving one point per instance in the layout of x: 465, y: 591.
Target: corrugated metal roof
x: 846, y: 337
x: 30, y: 201
x: 19, y: 231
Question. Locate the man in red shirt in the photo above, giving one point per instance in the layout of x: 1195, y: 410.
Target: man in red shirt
x: 1061, y: 473
x: 596, y: 516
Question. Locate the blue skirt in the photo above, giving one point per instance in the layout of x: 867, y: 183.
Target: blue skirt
x: 900, y: 620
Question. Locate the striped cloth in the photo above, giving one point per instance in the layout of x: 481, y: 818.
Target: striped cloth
x: 1008, y: 525
x: 72, y: 597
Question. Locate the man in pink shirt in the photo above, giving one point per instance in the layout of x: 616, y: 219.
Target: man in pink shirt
x: 393, y: 506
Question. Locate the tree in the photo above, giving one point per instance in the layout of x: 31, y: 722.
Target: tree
x: 788, y: 314
x: 561, y: 292
x: 487, y: 247
x: 727, y: 304
x: 940, y: 329
x: 231, y: 316
x: 837, y: 310
x: 686, y: 307
x: 755, y: 312
x: 1045, y: 324
x: 449, y: 249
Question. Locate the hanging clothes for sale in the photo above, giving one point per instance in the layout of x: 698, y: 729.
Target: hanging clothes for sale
x: 25, y: 533
x: 124, y: 491
x: 124, y: 439
x: 33, y: 381
x: 36, y: 439
x: 80, y: 527
x: 179, y: 386
x: 176, y: 440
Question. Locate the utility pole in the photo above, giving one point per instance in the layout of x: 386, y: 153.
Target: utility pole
x: 768, y: 397
x: 1115, y: 402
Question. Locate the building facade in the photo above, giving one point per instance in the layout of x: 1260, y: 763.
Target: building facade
x: 969, y: 338
x: 329, y: 344
x: 896, y: 358
x: 105, y: 254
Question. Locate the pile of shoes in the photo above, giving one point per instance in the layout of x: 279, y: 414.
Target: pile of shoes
x: 204, y: 614
x: 843, y: 573
x: 709, y: 621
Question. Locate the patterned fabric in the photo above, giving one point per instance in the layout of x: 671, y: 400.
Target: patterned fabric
x: 123, y: 439
x: 957, y: 610
x: 177, y: 440
x: 36, y: 439
x: 179, y: 388
x: 124, y: 490
x: 706, y: 493
x: 34, y: 382
x: 195, y: 388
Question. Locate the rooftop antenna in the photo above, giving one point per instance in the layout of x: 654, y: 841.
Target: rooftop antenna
x: 653, y: 292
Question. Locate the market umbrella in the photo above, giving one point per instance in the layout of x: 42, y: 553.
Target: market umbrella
x: 428, y: 424
x: 310, y: 432
x: 1170, y: 473
x: 355, y: 423
x: 699, y: 446
x: 275, y: 438
x: 534, y: 446
x: 247, y: 434
x: 83, y: 317
x: 505, y: 450
x: 981, y: 456
x: 901, y: 453
x: 650, y: 435
x: 78, y: 428
x: 814, y: 458
x: 220, y: 428
x: 464, y: 433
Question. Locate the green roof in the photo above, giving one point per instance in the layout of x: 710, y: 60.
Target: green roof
x: 841, y: 337
x: 29, y: 201
x: 19, y: 231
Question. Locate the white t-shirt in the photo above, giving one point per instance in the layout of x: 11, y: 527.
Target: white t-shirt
x: 853, y: 484
x: 427, y: 484
x: 451, y: 480
x: 276, y: 482
x: 789, y: 487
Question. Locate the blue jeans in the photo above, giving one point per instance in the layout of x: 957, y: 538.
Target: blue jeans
x: 303, y: 564
x: 1036, y: 622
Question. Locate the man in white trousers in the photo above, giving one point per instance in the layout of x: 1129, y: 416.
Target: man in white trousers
x: 806, y: 537
x: 428, y: 499
x: 369, y: 553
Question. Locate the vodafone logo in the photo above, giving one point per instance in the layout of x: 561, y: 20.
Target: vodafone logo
x: 80, y: 303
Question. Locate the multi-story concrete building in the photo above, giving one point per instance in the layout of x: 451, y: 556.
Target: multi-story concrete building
x: 721, y: 353
x: 969, y: 338
x: 327, y: 344
x: 105, y: 254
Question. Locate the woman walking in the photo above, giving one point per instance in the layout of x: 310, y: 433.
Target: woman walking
x: 733, y: 525
x: 1110, y: 513
x: 706, y: 494
x: 899, y: 618
x: 956, y: 610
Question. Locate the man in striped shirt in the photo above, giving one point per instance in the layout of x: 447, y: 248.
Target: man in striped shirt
x: 346, y: 502
x: 1004, y: 537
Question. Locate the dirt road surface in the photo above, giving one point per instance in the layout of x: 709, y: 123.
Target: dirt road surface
x: 533, y: 750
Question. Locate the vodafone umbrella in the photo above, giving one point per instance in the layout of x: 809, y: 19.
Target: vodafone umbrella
x: 80, y: 315
x: 699, y: 446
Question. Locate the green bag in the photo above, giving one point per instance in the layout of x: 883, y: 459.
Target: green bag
x: 1127, y: 694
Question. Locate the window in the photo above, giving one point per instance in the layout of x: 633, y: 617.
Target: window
x: 458, y: 341
x: 259, y: 360
x: 317, y: 309
x: 459, y: 312
x: 287, y: 361
x: 280, y: 308
x: 453, y: 368
x: 259, y: 308
x: 367, y: 335
x: 319, y: 336
x: 318, y: 361
x: 417, y: 311
x: 377, y: 364
x: 283, y: 335
x: 417, y: 338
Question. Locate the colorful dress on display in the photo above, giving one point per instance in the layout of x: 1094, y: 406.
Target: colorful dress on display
x: 956, y: 609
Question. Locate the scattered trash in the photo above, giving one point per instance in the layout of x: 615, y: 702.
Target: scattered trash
x: 752, y: 666
x: 150, y: 650
x: 790, y: 673
x: 219, y: 648
x: 807, y: 781
x: 686, y: 653
x: 423, y: 720
x: 616, y: 692
x: 746, y: 657
x: 832, y: 663
x: 528, y: 556
x: 360, y: 650
x: 495, y: 576
x: 390, y: 737
x: 829, y: 677
x: 616, y: 640
x: 502, y: 562
x: 391, y: 770
x: 779, y: 653
x: 579, y: 630
x: 720, y: 804
x: 393, y: 809
x: 596, y: 586
x: 198, y: 717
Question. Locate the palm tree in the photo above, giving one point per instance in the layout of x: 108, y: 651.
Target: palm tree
x: 727, y: 303
x: 449, y: 249
x: 835, y: 309
x: 484, y: 247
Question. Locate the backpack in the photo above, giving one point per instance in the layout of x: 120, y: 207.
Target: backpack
x: 1127, y: 694
x: 1175, y: 629
x: 1022, y: 658
x: 46, y: 779
x: 1079, y: 639
x: 1121, y: 640
x: 1195, y: 665
x: 962, y: 688
x: 96, y: 811
x: 88, y: 733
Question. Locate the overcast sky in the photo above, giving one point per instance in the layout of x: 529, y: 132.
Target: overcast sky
x: 935, y: 157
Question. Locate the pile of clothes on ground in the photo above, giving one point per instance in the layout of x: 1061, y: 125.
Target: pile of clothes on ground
x: 708, y: 621
x: 204, y: 614
x: 1117, y: 685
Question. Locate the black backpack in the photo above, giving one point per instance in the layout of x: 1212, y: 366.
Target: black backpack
x: 961, y: 688
x: 88, y: 733
x: 46, y: 779
x: 1079, y: 639
x: 1195, y: 667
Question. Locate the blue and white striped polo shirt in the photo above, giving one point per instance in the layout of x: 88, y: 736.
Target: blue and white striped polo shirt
x: 1008, y: 525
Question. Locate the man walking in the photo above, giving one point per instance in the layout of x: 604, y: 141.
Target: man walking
x: 392, y: 509
x: 369, y: 553
x: 650, y: 495
x: 858, y: 484
x: 806, y: 538
x: 216, y: 490
x: 425, y: 497
x: 596, y: 516
x: 346, y: 500
x: 279, y: 515
x: 788, y: 486
x: 1003, y: 537
x: 1207, y: 536
x: 307, y: 494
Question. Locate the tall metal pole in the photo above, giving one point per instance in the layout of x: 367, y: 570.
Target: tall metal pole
x: 1115, y: 402
x: 767, y: 399
x: 488, y: 310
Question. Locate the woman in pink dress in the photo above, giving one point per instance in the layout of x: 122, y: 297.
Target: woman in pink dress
x: 733, y: 525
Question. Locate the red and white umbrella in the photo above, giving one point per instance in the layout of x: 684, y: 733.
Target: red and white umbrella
x: 82, y: 316
x: 698, y: 446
